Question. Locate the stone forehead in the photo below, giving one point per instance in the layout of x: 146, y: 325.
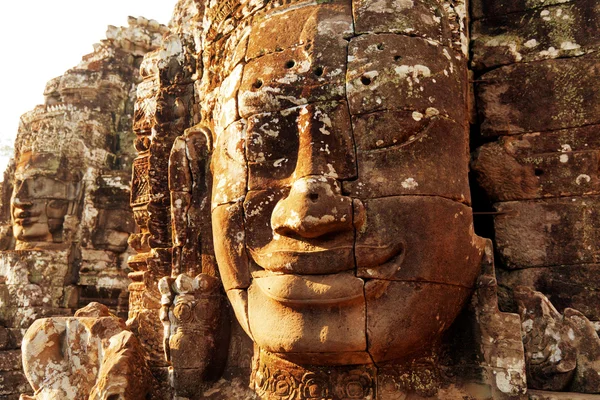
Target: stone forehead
x: 39, y: 164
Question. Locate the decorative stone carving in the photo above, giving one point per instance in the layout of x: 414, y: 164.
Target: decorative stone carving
x: 193, y: 324
x: 89, y: 356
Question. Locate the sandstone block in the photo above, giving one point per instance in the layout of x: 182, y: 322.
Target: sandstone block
x: 395, y: 72
x: 402, y: 158
x: 538, y: 165
x: 424, y: 18
x: 560, y: 231
x: 490, y: 8
x: 322, y: 25
x: 563, y: 30
x: 540, y: 96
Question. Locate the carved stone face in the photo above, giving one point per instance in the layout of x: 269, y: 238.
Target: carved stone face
x: 340, y: 199
x: 39, y: 203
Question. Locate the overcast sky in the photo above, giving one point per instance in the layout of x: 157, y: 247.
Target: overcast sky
x: 41, y: 39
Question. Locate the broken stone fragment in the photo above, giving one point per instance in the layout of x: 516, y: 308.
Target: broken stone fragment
x: 58, y: 355
x: 561, y: 351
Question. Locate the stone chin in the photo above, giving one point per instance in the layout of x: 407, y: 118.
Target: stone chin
x: 30, y: 232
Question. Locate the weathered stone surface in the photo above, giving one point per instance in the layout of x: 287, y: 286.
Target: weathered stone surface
x: 12, y: 383
x: 295, y: 143
x: 442, y: 22
x: 559, y: 231
x: 391, y: 244
x: 322, y: 25
x: 490, y: 8
x: 560, y: 30
x: 561, y: 351
x: 395, y: 72
x: 400, y: 158
x: 58, y: 354
x: 569, y: 286
x: 540, y: 96
x: 537, y: 165
x: 420, y: 322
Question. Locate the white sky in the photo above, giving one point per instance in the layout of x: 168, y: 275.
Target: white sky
x: 41, y: 39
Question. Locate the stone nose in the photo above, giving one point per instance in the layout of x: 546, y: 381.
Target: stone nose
x: 314, y: 207
x: 21, y: 196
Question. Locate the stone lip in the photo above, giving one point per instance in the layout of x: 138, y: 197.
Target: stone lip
x: 312, y: 290
x: 302, y: 262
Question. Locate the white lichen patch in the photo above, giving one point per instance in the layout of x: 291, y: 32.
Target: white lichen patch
x: 582, y: 179
x: 531, y: 43
x: 415, y: 71
x: 431, y: 111
x: 569, y: 46
x: 410, y: 184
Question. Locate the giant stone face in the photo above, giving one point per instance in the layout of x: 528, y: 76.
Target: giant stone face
x: 341, y: 214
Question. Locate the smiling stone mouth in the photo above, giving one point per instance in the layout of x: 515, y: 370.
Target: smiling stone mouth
x: 340, y: 288
x: 383, y: 266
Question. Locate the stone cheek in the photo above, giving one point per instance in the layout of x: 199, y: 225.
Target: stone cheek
x: 414, y: 247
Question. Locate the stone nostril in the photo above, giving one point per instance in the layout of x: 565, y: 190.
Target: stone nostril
x: 313, y: 197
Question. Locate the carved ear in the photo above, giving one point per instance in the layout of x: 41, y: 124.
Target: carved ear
x: 190, y: 184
